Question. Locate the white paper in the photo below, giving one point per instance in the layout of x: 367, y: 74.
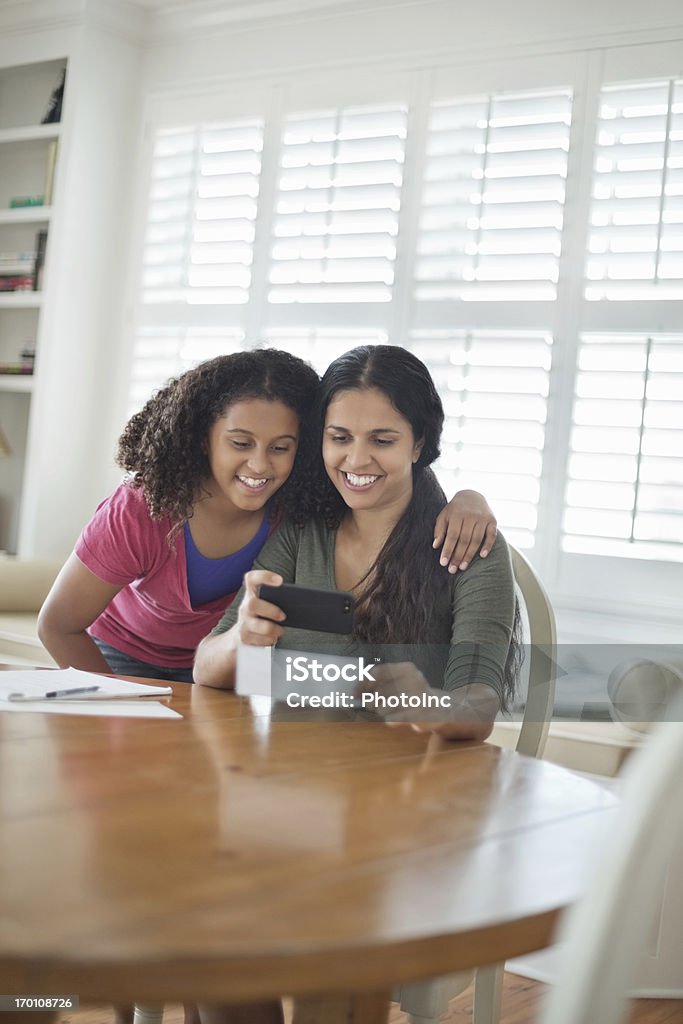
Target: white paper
x: 111, y: 709
x: 34, y: 682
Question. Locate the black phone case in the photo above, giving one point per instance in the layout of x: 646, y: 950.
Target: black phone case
x: 325, y: 611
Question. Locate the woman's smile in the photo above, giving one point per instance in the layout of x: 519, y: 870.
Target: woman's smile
x: 359, y: 482
x: 369, y: 449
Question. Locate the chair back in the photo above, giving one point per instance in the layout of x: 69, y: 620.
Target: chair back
x: 607, y: 930
x: 541, y: 645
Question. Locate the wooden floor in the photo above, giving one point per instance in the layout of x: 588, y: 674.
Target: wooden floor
x: 521, y: 1002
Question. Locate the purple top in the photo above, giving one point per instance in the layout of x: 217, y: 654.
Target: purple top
x: 209, y: 578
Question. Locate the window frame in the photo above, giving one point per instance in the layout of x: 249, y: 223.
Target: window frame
x: 582, y: 584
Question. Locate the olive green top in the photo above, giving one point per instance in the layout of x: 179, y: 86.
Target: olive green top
x: 471, y: 624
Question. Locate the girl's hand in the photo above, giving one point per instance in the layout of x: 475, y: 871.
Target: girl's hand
x: 461, y: 527
x: 257, y: 620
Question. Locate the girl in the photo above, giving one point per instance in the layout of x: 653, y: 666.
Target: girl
x: 381, y: 421
x: 217, y: 458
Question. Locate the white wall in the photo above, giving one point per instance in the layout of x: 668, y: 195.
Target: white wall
x: 70, y: 433
x: 70, y: 442
x: 362, y: 32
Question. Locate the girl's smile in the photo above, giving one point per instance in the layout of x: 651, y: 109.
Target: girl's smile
x: 251, y: 451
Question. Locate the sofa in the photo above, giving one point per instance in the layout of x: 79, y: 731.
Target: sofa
x: 24, y: 584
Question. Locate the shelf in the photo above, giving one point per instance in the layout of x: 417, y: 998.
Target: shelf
x: 20, y: 382
x: 21, y: 300
x: 26, y: 215
x: 30, y: 133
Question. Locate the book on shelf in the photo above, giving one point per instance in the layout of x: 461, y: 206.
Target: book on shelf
x: 41, y: 245
x: 21, y: 202
x: 17, y: 264
x: 53, y: 114
x: 26, y: 364
x: 50, y: 172
x: 16, y: 369
x: 16, y: 271
x: 14, y: 283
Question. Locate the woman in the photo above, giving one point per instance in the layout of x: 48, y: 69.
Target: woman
x: 381, y: 421
x: 217, y: 458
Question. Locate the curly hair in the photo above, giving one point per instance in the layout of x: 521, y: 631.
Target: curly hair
x: 407, y: 578
x: 164, y: 446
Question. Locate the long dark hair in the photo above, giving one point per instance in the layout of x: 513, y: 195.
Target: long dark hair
x: 407, y: 578
x: 164, y: 445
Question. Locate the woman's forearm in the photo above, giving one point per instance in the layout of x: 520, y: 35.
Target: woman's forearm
x: 216, y: 660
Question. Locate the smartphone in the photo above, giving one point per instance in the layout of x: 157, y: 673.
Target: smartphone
x: 326, y: 611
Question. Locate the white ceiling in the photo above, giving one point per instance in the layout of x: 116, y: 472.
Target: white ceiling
x: 175, y: 17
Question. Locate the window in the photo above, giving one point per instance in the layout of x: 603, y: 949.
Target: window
x: 163, y: 352
x: 338, y: 201
x: 625, y: 486
x: 202, y: 209
x: 494, y: 387
x: 493, y: 198
x: 526, y: 242
x: 636, y: 238
x: 319, y: 346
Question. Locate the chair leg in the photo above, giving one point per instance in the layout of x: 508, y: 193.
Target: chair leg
x: 488, y: 994
x: 148, y: 1014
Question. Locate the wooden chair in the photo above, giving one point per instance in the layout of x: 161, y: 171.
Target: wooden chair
x: 605, y: 932
x: 425, y: 1001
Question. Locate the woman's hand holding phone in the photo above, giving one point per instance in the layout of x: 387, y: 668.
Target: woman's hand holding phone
x: 257, y: 625
x: 258, y: 620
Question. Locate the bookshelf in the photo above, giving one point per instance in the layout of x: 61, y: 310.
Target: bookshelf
x: 26, y: 215
x: 28, y: 160
x: 16, y: 383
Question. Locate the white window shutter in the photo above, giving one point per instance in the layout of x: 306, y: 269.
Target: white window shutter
x: 202, y: 209
x: 320, y: 345
x: 494, y: 386
x: 197, y: 251
x: 337, y: 207
x: 164, y: 352
x: 625, y: 480
x: 635, y: 247
x: 493, y: 197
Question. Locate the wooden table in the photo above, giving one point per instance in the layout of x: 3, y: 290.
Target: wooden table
x: 228, y: 856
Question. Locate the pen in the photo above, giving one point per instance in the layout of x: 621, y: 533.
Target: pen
x: 73, y: 692
x: 53, y: 693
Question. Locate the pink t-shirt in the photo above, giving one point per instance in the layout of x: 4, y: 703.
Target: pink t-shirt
x: 152, y: 618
